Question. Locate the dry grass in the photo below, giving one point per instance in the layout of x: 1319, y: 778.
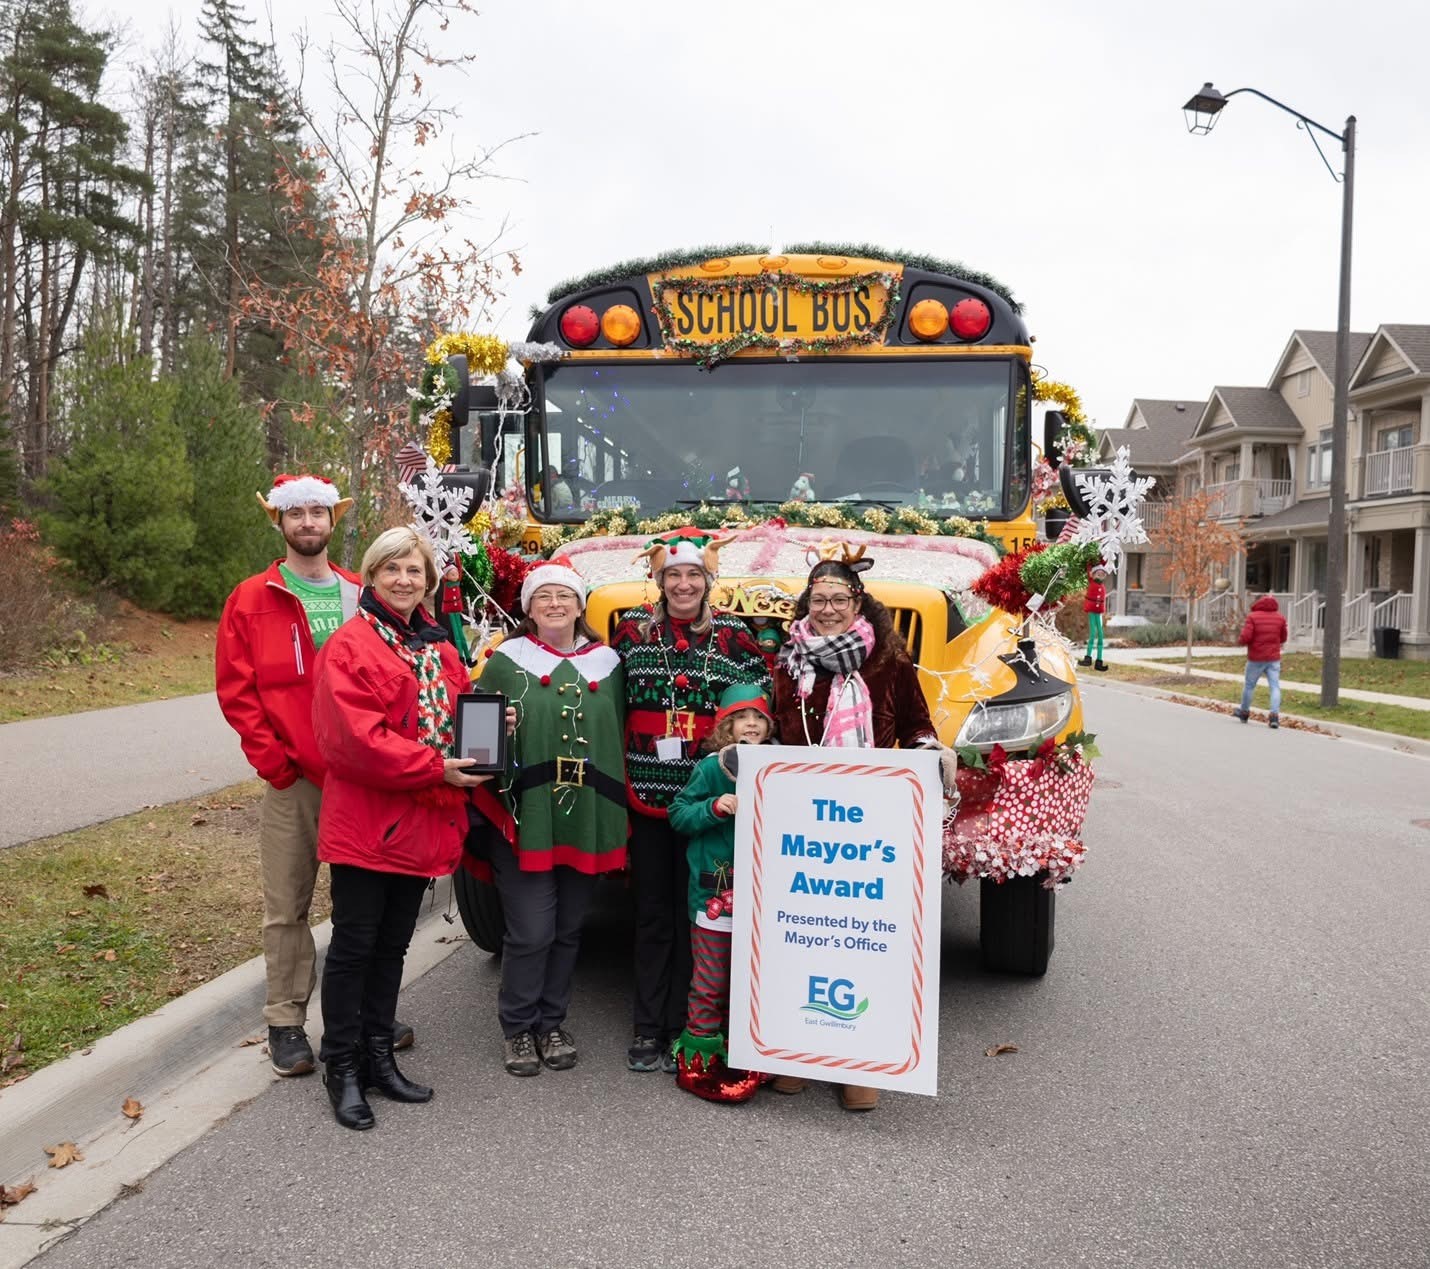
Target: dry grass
x: 180, y: 904
x: 142, y: 657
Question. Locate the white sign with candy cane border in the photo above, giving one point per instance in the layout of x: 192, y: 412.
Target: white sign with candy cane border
x: 835, y: 948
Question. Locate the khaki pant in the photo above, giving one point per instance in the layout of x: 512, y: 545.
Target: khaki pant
x: 288, y: 859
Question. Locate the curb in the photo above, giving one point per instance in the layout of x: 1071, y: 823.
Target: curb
x: 1407, y: 745
x: 185, y: 1063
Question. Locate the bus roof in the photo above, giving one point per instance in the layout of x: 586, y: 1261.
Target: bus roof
x: 666, y: 260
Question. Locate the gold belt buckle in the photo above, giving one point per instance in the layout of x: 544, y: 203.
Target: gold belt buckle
x: 571, y: 773
x: 680, y: 722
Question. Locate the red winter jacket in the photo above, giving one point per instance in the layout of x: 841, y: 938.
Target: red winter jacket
x: 1264, y: 631
x: 385, y: 804
x: 1096, y: 600
x: 264, y: 663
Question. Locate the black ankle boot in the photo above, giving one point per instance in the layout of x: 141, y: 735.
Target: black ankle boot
x: 383, y: 1075
x: 342, y: 1078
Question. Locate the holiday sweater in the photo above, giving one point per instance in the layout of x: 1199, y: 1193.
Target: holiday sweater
x: 673, y: 684
x: 563, y: 793
x: 711, y: 848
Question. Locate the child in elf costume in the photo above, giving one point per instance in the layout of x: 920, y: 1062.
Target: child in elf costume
x: 704, y: 811
x: 1094, y: 606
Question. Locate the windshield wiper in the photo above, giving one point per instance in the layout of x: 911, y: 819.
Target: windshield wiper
x: 871, y: 502
x: 706, y: 502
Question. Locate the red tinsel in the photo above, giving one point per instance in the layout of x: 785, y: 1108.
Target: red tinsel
x: 508, y: 571
x: 1002, y: 587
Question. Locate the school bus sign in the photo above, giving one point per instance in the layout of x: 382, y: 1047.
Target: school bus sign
x: 773, y: 310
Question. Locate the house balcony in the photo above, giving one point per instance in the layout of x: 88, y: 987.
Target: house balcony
x: 1389, y: 471
x: 1240, y: 499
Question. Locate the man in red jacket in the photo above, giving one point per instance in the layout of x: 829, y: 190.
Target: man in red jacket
x: 268, y: 639
x: 1262, y: 635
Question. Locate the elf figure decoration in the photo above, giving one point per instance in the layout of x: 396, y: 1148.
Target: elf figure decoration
x: 705, y: 812
x: 1095, y: 605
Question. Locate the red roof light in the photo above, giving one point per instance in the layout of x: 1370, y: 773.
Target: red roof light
x: 580, y: 326
x: 970, y: 319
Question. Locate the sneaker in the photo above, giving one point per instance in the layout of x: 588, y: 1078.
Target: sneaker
x: 668, y: 1063
x: 645, y: 1053
x: 289, y: 1050
x: 1242, y: 714
x: 557, y: 1049
x: 521, y: 1057
x: 1273, y: 722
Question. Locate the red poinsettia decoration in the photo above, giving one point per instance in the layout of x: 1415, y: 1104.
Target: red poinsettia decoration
x: 1002, y: 587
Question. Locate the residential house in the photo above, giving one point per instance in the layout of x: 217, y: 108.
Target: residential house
x: 1265, y: 456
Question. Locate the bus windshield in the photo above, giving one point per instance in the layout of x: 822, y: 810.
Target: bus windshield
x: 933, y: 434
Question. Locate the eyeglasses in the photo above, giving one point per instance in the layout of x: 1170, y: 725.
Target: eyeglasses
x: 839, y: 603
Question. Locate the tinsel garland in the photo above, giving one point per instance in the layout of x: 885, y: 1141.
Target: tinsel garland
x: 686, y: 256
x: 439, y: 438
x: 1059, y: 571
x: 708, y: 353
x: 1066, y: 398
x: 901, y: 522
x: 485, y: 354
x: 1002, y: 585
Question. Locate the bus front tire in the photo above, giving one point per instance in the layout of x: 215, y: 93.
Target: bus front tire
x: 480, y: 907
x: 1015, y: 925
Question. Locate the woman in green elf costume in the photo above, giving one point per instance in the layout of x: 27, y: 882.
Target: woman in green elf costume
x: 563, y: 813
x: 704, y: 811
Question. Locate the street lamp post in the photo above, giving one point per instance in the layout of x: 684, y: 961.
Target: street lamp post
x: 1201, y: 114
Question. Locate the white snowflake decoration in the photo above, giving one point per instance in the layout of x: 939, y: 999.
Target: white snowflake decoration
x: 439, y: 514
x: 1114, y: 509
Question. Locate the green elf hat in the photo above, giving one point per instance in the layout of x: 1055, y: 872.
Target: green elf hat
x: 740, y: 696
x: 699, y: 547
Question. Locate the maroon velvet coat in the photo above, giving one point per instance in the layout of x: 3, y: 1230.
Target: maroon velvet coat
x: 901, y: 715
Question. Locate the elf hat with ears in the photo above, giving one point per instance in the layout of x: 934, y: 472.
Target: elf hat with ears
x: 684, y: 546
x: 740, y: 696
x: 557, y: 571
x: 302, y: 491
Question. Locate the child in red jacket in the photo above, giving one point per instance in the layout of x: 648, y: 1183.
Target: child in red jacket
x: 1095, y: 605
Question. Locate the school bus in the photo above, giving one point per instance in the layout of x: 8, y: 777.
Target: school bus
x: 881, y: 391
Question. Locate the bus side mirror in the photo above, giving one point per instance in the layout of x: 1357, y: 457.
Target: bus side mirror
x: 1053, y: 423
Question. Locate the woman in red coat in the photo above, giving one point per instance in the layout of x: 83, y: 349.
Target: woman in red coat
x: 394, y: 808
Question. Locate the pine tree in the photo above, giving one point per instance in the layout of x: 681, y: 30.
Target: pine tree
x: 121, y: 498
x: 225, y: 444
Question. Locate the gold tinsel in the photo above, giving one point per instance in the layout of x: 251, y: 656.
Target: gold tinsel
x: 478, y: 525
x: 1063, y: 395
x: 876, y: 520
x: 486, y: 354
x: 439, y: 438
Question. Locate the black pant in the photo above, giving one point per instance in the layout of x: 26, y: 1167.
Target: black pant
x: 374, y: 914
x: 661, y: 881
x: 543, y: 912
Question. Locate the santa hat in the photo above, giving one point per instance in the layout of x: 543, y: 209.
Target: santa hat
x: 740, y: 696
x: 302, y: 491
x: 685, y: 546
x: 557, y: 571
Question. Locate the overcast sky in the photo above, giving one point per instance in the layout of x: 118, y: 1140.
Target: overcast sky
x: 1040, y: 141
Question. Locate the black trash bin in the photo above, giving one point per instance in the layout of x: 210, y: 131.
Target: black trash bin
x: 1385, y: 640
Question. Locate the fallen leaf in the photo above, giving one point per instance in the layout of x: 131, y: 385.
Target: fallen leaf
x: 110, y: 954
x: 77, y: 912
x: 996, y: 1049
x: 253, y: 1039
x: 96, y: 892
x: 62, y: 948
x: 62, y: 1155
x: 132, y: 1108
x: 108, y: 1000
x: 198, y: 819
x: 15, y: 1054
x: 235, y: 806
x: 12, y: 1194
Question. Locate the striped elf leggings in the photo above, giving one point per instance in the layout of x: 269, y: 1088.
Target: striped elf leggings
x: 708, y: 1009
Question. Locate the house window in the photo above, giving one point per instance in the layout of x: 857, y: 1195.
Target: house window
x: 1132, y: 570
x: 1401, y: 437
x: 1303, y: 383
x: 1318, y: 461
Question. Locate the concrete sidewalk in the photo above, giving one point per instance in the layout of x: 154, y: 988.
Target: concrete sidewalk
x: 62, y: 773
x: 1156, y: 658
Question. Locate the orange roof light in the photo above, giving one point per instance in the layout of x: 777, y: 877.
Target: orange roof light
x: 621, y: 324
x: 928, y: 319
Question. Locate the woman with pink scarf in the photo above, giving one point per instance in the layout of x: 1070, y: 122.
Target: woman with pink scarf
x: 846, y: 680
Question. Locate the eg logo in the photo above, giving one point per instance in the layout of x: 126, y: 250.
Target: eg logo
x: 833, y: 999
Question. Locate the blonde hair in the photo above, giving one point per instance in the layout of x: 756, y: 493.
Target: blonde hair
x: 394, y: 544
x: 648, y: 626
x: 724, y: 731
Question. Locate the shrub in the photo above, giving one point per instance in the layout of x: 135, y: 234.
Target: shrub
x: 38, y: 614
x: 1160, y: 635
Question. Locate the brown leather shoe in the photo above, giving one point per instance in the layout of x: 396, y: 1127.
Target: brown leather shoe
x: 789, y: 1084
x: 854, y: 1097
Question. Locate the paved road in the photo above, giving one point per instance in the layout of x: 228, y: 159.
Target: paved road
x: 62, y: 773
x: 1227, y: 1064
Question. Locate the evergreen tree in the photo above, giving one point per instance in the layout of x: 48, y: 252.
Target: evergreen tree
x: 121, y: 499
x: 225, y: 443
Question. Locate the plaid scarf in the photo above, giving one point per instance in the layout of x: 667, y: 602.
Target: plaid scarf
x: 849, y: 715
x: 434, y: 705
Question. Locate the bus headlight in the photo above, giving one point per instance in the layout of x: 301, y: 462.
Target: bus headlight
x: 1015, y: 726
